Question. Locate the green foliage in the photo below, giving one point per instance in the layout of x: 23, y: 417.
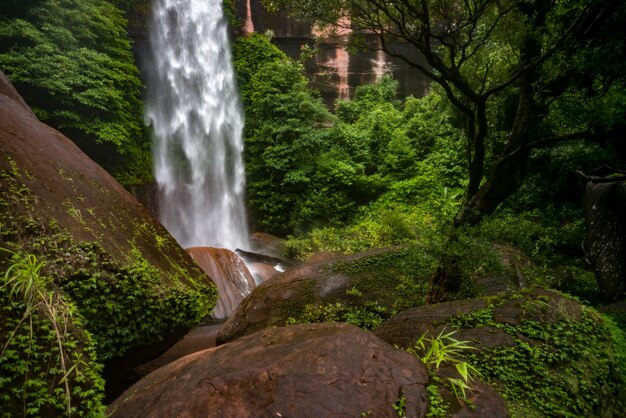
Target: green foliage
x: 121, y: 305
x: 71, y: 60
x: 387, y: 226
x: 281, y: 135
x: 551, y: 238
x: 437, y: 407
x: 378, y: 286
x: 48, y: 363
x: 395, y: 278
x: 413, y: 199
x: 250, y: 54
x: 400, y: 406
x: 445, y: 349
x: 308, y: 169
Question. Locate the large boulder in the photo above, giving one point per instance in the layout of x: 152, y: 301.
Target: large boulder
x: 198, y: 339
x: 312, y: 370
x: 267, y: 244
x: 134, y: 287
x: 48, y: 178
x: 546, y: 353
x: 230, y: 274
x: 605, y: 243
x: 383, y: 280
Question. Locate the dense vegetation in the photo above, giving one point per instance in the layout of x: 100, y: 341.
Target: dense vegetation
x: 520, y: 75
x: 380, y: 171
x: 72, y: 62
x: 308, y: 167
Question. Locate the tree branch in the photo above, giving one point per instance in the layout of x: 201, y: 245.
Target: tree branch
x: 601, y: 179
x: 547, y: 141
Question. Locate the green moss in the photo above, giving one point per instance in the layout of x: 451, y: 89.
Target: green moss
x: 137, y: 309
x: 295, y: 305
x: 437, y: 406
x: 396, y: 278
x: 379, y: 285
x: 569, y: 367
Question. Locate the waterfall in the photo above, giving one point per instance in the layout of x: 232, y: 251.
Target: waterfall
x: 193, y: 107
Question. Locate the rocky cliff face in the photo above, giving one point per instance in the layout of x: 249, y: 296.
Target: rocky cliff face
x: 335, y: 71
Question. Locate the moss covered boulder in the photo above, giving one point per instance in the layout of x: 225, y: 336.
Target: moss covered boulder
x: 548, y: 355
x: 129, y: 281
x: 362, y: 289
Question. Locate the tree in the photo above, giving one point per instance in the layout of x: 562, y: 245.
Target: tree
x: 282, y: 138
x: 523, y: 60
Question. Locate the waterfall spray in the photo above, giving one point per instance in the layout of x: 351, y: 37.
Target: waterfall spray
x: 194, y: 109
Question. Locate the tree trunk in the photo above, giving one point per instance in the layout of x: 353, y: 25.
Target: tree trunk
x: 510, y: 170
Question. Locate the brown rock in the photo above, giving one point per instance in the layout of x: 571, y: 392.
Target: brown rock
x: 511, y: 278
x: 267, y: 244
x: 539, y: 305
x: 47, y: 179
x: 230, y: 274
x: 618, y: 308
x: 480, y: 331
x: 404, y: 328
x: 486, y: 401
x: 315, y: 370
x: 7, y: 89
x: 75, y: 192
x: 198, y: 339
x: 323, y: 256
x: 262, y: 272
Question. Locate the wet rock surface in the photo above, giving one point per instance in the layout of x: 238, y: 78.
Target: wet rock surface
x: 230, y: 275
x: 64, y: 190
x: 312, y: 370
x: 75, y: 192
x: 268, y: 244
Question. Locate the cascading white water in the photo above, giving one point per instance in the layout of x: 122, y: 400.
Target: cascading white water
x: 194, y: 109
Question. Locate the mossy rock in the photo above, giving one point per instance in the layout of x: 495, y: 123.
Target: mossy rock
x: 362, y: 289
x: 129, y: 280
x: 548, y: 355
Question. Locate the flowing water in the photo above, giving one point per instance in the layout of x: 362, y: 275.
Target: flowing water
x: 194, y: 109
